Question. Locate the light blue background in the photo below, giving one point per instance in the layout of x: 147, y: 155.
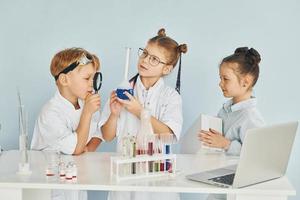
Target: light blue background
x: 31, y: 32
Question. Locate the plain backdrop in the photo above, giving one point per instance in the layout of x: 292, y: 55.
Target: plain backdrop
x: 31, y: 32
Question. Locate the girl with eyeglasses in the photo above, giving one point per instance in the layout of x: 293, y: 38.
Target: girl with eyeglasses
x: 156, y: 60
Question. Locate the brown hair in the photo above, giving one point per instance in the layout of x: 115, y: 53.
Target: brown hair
x: 247, y: 60
x: 64, y: 58
x: 173, y: 49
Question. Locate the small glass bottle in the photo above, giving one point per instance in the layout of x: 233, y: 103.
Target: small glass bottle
x: 62, y: 170
x: 69, y: 172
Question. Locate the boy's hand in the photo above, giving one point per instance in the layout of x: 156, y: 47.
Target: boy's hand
x: 115, y: 105
x: 213, y: 138
x: 132, y: 105
x: 92, y: 103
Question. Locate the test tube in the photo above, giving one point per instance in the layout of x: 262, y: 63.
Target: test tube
x: 162, y: 150
x: 151, y: 166
x: 74, y: 171
x: 150, y: 151
x: 156, y: 151
x: 157, y: 166
x: 162, y: 166
x: 150, y: 148
x: 124, y: 146
x: 69, y: 172
x: 167, y: 140
x: 125, y: 142
x: 133, y: 168
x: 143, y: 165
x: 62, y: 170
x: 168, y: 150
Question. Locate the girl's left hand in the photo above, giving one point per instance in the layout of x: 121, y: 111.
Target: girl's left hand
x: 132, y: 105
x: 213, y: 138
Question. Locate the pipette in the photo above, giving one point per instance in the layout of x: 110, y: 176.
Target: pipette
x: 24, y: 167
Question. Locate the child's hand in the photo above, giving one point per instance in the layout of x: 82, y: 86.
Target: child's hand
x: 92, y: 103
x: 115, y: 105
x: 132, y: 105
x: 213, y: 138
x: 86, y: 149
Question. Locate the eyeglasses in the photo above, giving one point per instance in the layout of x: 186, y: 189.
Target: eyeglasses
x: 84, y: 60
x: 153, y: 60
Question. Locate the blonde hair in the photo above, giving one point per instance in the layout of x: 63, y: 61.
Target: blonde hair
x: 64, y: 58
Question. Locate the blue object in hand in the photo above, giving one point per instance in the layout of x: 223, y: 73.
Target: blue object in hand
x: 121, y: 95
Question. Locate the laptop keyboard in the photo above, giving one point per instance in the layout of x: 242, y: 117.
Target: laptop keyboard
x: 227, y: 179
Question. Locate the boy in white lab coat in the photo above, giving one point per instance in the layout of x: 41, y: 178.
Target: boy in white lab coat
x: 156, y: 60
x: 67, y: 122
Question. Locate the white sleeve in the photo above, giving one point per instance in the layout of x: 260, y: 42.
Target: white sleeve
x: 52, y: 132
x: 95, y: 129
x: 172, y: 114
x: 104, y: 117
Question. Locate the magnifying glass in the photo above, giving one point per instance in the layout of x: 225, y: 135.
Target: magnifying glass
x: 97, y: 81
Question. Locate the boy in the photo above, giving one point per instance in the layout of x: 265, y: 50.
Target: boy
x: 67, y: 123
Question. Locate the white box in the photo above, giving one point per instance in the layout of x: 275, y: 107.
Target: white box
x: 209, y: 122
x: 190, y: 143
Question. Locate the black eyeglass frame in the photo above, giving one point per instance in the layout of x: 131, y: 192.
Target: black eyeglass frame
x: 141, y: 50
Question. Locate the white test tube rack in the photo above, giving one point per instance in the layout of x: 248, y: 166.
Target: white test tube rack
x: 117, y: 162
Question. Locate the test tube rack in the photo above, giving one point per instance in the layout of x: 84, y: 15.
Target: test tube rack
x: 121, y: 166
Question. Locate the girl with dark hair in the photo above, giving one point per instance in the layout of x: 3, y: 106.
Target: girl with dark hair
x: 239, y: 73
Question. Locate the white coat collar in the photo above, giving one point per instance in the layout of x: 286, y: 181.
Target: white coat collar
x: 67, y: 104
x: 160, y: 83
x: 230, y: 107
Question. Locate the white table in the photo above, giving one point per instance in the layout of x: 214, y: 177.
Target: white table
x: 94, y: 174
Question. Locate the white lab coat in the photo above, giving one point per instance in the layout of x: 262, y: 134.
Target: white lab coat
x: 165, y: 104
x: 55, y: 131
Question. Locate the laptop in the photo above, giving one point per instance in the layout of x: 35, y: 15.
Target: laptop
x: 264, y: 156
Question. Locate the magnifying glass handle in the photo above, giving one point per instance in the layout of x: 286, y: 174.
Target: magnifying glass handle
x: 97, y: 92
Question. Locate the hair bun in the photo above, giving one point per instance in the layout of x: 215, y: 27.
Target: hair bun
x: 182, y: 48
x: 241, y: 50
x: 162, y: 32
x: 253, y: 56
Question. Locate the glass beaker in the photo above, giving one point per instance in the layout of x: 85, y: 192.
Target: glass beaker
x: 52, y: 161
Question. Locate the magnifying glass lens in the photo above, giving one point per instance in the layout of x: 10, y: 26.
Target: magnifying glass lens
x: 97, y: 82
